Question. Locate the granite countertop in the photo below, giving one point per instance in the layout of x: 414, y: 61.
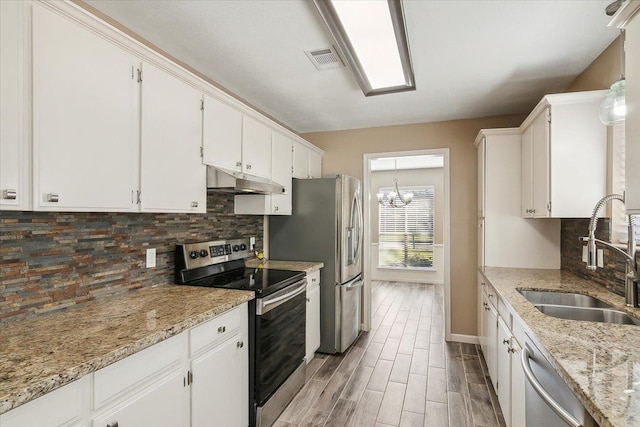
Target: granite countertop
x: 41, y: 354
x: 307, y: 267
x: 599, y: 362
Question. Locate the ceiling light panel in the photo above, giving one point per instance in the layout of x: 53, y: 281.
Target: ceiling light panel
x: 372, y: 38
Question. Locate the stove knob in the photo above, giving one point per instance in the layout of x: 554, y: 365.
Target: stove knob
x: 243, y: 247
x: 203, y: 253
x: 193, y: 254
x: 236, y: 248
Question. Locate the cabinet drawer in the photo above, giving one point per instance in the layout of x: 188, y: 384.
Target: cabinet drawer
x: 491, y: 294
x: 313, y: 280
x: 143, y: 366
x: 217, y: 330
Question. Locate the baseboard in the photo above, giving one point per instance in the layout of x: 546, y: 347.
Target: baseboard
x: 468, y: 339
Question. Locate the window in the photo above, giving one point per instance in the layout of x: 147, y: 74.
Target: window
x: 619, y: 222
x: 406, y: 234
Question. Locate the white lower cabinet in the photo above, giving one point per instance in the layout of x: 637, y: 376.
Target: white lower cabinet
x: 312, y: 330
x: 197, y: 378
x: 498, y: 336
x: 64, y: 407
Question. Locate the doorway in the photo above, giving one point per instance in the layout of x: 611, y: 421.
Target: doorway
x: 385, y: 256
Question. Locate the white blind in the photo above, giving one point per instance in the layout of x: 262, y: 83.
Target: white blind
x: 618, y: 217
x: 406, y: 233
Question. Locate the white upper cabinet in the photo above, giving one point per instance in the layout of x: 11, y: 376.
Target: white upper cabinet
x: 307, y: 163
x: 564, y: 156
x: 256, y: 147
x: 315, y: 164
x: 221, y: 135
x: 632, y: 122
x: 85, y: 155
x: 15, y: 188
x: 172, y: 176
x: 281, y: 159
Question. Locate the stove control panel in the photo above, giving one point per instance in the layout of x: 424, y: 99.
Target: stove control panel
x: 209, y: 253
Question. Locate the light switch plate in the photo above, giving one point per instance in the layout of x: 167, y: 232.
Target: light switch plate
x: 151, y: 257
x: 585, y: 254
x: 601, y: 258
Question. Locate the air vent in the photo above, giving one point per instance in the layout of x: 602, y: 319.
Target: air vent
x: 325, y: 58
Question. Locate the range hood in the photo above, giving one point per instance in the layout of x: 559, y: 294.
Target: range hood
x: 227, y: 181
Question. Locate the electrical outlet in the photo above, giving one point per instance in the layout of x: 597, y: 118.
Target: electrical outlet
x: 151, y: 257
x: 585, y: 254
x: 601, y: 258
x: 252, y: 242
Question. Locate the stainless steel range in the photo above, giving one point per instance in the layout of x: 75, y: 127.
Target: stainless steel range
x: 276, y: 319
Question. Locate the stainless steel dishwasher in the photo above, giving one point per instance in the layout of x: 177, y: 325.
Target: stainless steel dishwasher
x: 549, y: 402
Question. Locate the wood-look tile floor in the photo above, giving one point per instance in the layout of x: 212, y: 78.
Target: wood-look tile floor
x: 400, y: 373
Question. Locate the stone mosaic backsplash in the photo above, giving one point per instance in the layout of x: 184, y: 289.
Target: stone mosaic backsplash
x: 612, y: 276
x: 53, y: 260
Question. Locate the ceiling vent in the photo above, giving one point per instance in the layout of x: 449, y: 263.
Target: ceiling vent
x: 325, y: 58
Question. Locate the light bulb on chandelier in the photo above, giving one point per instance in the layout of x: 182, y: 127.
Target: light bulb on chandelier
x: 394, y: 198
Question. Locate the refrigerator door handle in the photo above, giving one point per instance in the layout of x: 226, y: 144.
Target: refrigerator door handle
x: 358, y: 228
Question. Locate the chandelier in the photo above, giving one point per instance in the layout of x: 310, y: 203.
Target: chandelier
x: 394, y: 198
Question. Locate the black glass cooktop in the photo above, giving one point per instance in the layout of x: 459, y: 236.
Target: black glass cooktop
x: 262, y: 281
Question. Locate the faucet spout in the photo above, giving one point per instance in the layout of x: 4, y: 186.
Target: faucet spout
x: 632, y: 276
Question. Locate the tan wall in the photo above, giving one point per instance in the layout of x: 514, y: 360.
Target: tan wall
x: 410, y: 177
x: 344, y: 152
x: 603, y: 71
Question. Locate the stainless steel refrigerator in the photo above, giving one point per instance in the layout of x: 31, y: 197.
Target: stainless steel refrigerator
x: 326, y: 226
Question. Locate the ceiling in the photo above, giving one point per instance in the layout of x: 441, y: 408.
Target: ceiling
x: 471, y: 58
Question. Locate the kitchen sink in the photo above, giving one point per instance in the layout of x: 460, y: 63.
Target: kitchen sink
x: 572, y: 306
x: 588, y: 314
x: 563, y: 298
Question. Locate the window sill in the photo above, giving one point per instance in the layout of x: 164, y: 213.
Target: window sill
x: 407, y: 268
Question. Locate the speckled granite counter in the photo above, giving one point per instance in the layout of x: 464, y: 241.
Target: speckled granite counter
x: 307, y: 267
x: 41, y: 354
x: 599, y: 362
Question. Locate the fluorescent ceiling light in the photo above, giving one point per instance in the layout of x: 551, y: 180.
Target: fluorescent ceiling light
x: 372, y: 38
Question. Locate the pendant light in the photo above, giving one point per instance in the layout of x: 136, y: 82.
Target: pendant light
x: 613, y: 108
x: 394, y: 198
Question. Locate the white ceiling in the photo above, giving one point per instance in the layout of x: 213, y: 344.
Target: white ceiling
x: 471, y: 58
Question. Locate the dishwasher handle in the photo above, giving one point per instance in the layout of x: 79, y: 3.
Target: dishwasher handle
x: 528, y: 372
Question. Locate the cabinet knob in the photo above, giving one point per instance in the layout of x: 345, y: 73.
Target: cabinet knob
x: 240, y: 344
x: 222, y: 329
x: 313, y: 279
x: 238, y: 164
x: 308, y: 300
x: 112, y: 424
x: 248, y: 166
x: 53, y: 198
x: 194, y: 204
x: 9, y: 194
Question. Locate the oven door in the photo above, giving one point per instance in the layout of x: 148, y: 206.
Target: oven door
x: 280, y: 338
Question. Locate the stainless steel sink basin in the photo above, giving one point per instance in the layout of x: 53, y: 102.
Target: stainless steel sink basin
x: 602, y: 315
x: 572, y: 306
x: 563, y: 298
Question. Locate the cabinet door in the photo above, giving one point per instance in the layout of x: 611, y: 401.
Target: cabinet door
x: 481, y: 242
x: 313, y: 320
x: 632, y: 122
x: 163, y: 404
x: 300, y: 160
x: 256, y: 148
x: 315, y: 164
x: 491, y: 355
x: 527, y: 172
x: 85, y: 126
x: 219, y: 390
x: 172, y: 176
x: 64, y: 407
x: 221, y: 135
x: 14, y: 126
x: 480, y: 319
x: 504, y: 370
x: 541, y: 179
x: 518, y: 417
x: 281, y: 160
x: 481, y: 176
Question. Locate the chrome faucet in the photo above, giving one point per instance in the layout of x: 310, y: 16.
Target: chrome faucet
x: 631, y: 272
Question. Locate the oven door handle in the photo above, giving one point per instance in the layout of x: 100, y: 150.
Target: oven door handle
x: 266, y: 304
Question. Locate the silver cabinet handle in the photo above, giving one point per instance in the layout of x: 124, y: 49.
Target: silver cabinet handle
x: 238, y: 164
x: 240, y: 344
x: 112, y: 424
x: 505, y: 341
x: 248, y: 166
x: 9, y: 194
x: 528, y: 372
x: 222, y: 329
x: 313, y: 279
x: 194, y: 204
x: 53, y: 198
x: 276, y: 209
